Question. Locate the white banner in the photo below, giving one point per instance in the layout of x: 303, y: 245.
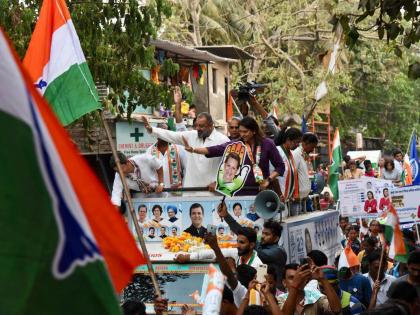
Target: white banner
x: 407, y: 202
x: 364, y: 197
x: 316, y: 230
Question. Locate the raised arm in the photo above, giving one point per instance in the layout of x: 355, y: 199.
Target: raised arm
x: 223, y: 213
x: 268, y: 119
x: 190, y: 149
x: 178, y: 100
x: 333, y: 299
x: 211, y: 240
x: 167, y: 135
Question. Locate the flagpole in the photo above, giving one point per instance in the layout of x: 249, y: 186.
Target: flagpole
x: 131, y: 208
x: 417, y: 230
x: 381, y: 261
x: 409, y: 141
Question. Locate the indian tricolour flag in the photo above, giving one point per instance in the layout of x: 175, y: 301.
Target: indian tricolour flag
x: 57, y: 66
x: 394, y: 236
x: 348, y: 258
x: 335, y: 158
x: 64, y: 249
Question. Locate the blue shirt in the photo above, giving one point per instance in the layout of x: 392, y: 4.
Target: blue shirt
x: 359, y: 286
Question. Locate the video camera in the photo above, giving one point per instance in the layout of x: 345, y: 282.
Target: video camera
x: 248, y: 89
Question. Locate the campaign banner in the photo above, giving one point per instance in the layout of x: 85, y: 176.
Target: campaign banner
x: 366, y: 197
x: 317, y: 230
x: 406, y: 201
x: 232, y: 172
x: 162, y: 217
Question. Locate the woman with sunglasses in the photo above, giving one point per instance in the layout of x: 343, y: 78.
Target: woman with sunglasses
x: 260, y: 152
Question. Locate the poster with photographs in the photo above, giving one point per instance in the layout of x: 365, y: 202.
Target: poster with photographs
x: 160, y: 218
x: 319, y: 231
x: 366, y: 197
x: 406, y: 201
x: 232, y: 172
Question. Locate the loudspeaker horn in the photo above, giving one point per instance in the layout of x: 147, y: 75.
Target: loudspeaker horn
x: 267, y: 203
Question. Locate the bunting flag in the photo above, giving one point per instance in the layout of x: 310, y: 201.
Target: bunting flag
x: 348, y: 258
x: 56, y: 64
x: 64, y: 248
x: 336, y: 158
x: 394, y: 235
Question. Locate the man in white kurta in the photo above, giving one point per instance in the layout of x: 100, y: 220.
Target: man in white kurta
x: 142, y: 167
x: 171, y: 156
x: 200, y: 171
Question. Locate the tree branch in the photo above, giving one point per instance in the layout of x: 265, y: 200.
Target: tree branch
x: 283, y: 55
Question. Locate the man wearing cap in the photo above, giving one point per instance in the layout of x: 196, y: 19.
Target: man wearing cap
x: 355, y: 283
x: 173, y: 159
x: 350, y: 305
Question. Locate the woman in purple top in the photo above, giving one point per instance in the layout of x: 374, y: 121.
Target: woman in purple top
x: 260, y: 152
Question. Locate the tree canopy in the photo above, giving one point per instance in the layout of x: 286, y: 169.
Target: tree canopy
x: 293, y: 41
x: 114, y: 36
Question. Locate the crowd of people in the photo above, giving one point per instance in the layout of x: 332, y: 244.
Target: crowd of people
x: 182, y: 159
x: 370, y: 284
x: 279, y: 160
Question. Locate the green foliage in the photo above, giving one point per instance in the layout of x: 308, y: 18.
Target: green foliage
x: 387, y: 101
x: 169, y: 68
x: 370, y: 93
x: 397, y: 19
x: 114, y: 36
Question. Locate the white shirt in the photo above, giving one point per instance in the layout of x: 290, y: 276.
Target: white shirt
x: 163, y: 158
x: 208, y: 254
x: 303, y: 173
x: 239, y: 293
x: 398, y: 166
x: 383, y: 289
x: 200, y: 171
x: 148, y: 165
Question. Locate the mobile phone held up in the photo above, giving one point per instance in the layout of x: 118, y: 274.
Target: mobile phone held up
x: 304, y: 261
x: 261, y: 273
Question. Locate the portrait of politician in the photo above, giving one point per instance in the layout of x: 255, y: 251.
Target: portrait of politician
x: 196, y: 216
x: 228, y: 179
x: 231, y: 166
x: 172, y: 212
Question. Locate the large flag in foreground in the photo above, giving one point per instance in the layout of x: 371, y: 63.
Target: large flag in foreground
x: 336, y: 158
x: 414, y: 160
x: 64, y: 249
x: 394, y: 236
x: 57, y: 66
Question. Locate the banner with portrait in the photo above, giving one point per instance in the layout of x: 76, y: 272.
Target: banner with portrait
x: 317, y: 230
x: 232, y: 172
x: 367, y: 197
x: 171, y: 216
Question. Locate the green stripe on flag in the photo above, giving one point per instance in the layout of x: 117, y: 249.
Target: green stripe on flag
x: 73, y: 94
x: 29, y: 236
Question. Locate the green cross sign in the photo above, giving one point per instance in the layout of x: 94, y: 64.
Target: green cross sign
x: 136, y: 135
